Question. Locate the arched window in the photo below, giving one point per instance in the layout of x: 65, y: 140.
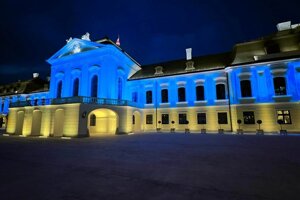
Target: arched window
x: 93, y: 120
x: 181, y: 94
x: 279, y: 86
x: 164, y: 96
x: 246, y: 88
x: 220, y: 90
x: 120, y: 88
x: 75, y: 87
x: 200, y: 93
x: 94, y: 86
x: 133, y: 119
x: 148, y: 97
x: 59, y: 89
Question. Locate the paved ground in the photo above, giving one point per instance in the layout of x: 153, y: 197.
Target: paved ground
x: 151, y: 166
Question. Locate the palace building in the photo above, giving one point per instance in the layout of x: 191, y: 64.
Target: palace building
x: 95, y: 87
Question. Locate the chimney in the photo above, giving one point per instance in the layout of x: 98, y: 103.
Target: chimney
x: 284, y: 26
x: 35, y: 75
x: 189, y: 54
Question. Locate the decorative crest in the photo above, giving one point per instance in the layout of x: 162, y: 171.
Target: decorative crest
x: 69, y: 40
x: 76, y: 48
x: 86, y: 37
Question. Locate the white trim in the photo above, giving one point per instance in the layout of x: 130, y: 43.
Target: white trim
x: 164, y: 85
x: 199, y: 82
x: 181, y: 83
x: 220, y: 79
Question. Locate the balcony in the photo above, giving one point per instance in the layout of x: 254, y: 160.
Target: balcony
x: 67, y: 100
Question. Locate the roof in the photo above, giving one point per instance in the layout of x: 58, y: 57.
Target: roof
x: 106, y: 40
x: 201, y: 63
x: 24, y: 87
x: 277, y: 46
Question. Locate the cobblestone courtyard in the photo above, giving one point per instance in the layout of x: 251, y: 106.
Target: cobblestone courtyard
x: 151, y: 166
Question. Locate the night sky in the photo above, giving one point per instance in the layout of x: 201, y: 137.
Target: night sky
x: 150, y: 31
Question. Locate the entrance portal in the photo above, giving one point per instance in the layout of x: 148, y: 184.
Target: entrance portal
x: 102, y: 121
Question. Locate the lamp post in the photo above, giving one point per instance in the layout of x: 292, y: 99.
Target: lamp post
x: 239, y: 131
x: 259, y: 131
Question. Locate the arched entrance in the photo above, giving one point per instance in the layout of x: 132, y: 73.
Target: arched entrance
x: 136, y: 122
x: 36, y: 122
x: 59, y: 118
x: 102, y: 121
x: 19, y: 124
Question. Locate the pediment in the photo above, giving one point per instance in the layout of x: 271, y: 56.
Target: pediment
x: 75, y: 46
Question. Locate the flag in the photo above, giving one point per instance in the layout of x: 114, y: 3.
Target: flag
x: 118, y: 41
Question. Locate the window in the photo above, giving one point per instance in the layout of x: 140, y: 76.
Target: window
x: 59, y: 89
x: 181, y: 94
x: 182, y: 118
x: 93, y: 120
x: 120, y: 88
x: 272, y: 47
x: 134, y: 96
x: 279, y: 86
x: 165, y: 118
x: 164, y: 96
x: 248, y: 117
x: 75, y: 87
x: 148, y: 97
x: 220, y: 89
x: 2, y: 106
x: 149, y: 119
x: 94, y: 86
x: 200, y: 93
x: 43, y: 101
x: 133, y: 119
x: 201, y: 118
x: 246, y: 88
x: 222, y: 118
x: 285, y: 116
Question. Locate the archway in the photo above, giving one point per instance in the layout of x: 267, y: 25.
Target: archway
x: 19, y: 124
x: 102, y: 121
x: 59, y: 118
x: 36, y: 122
x: 136, y: 122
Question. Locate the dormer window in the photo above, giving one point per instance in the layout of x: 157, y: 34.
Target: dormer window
x: 272, y: 47
x: 158, y: 70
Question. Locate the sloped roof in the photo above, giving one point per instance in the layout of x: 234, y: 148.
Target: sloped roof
x: 274, y: 46
x: 277, y: 46
x: 201, y: 63
x: 24, y: 87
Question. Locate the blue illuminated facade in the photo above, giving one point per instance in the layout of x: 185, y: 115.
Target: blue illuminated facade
x: 208, y: 93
